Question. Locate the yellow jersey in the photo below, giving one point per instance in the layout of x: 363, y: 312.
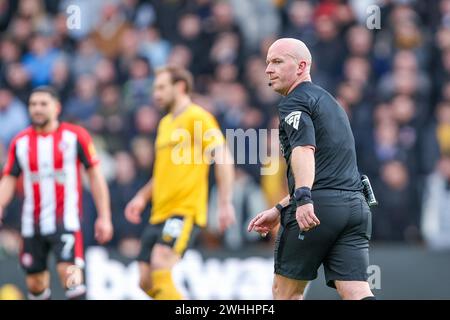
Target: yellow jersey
x: 182, y: 156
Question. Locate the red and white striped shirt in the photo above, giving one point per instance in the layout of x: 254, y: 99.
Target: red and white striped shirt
x: 50, y: 164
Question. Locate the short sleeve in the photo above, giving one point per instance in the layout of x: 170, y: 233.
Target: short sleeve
x: 12, y: 166
x: 86, y: 149
x: 299, y: 129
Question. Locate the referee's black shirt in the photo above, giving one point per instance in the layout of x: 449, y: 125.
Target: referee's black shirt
x: 309, y: 115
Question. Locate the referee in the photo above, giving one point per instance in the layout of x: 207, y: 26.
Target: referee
x: 325, y: 218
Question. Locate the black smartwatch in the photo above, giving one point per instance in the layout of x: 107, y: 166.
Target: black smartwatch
x: 302, y: 196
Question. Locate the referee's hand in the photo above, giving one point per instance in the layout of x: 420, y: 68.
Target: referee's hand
x: 264, y: 221
x: 306, y: 218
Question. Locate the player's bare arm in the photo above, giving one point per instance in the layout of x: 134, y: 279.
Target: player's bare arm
x: 7, y: 188
x: 224, y: 172
x: 303, y: 167
x: 134, y: 208
x: 100, y: 193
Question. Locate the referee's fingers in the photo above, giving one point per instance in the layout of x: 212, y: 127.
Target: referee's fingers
x: 251, y: 225
x: 309, y: 221
x: 314, y: 218
x: 302, y: 223
x: 261, y: 229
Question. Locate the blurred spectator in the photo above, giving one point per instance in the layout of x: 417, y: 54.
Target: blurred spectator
x: 222, y: 20
x: 405, y: 78
x: 138, y: 89
x: 225, y: 49
x: 248, y: 200
x: 128, y: 8
x: 144, y: 15
x: 195, y: 40
x: 13, y: 116
x: 396, y: 218
x: 385, y: 147
x: 129, y: 50
x: 109, y: 30
x: 181, y: 56
x: 301, y: 23
x: 155, y: 48
x: 40, y: 60
x: 105, y: 72
x: 443, y: 127
x: 84, y: 103
x: 351, y: 97
x: 146, y: 121
x: 6, y: 11
x: 85, y: 58
x: 60, y: 34
x: 9, y: 53
x: 61, y: 79
x: 407, y: 34
x: 21, y: 30
x: 111, y: 121
x: 435, y: 138
x: 261, y: 95
x: 167, y: 12
x: 225, y: 34
x: 256, y: 19
x: 18, y: 80
x: 328, y: 51
x: 359, y: 41
x: 34, y: 11
x: 142, y: 149
x: 232, y: 100
x: 404, y: 111
x: 124, y: 186
x: 436, y: 207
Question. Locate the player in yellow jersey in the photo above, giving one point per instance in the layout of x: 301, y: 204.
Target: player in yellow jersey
x: 188, y: 140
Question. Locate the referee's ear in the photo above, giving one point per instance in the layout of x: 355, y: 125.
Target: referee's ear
x: 302, y: 67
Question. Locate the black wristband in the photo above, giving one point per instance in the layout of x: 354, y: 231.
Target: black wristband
x: 304, y: 201
x: 279, y: 207
x: 302, y: 196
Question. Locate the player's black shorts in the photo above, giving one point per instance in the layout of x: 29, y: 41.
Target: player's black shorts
x: 177, y: 232
x: 67, y: 246
x: 340, y: 242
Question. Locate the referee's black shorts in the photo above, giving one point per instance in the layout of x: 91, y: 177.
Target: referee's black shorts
x: 340, y: 242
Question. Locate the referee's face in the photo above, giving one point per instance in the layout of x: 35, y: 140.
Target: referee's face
x: 281, y: 69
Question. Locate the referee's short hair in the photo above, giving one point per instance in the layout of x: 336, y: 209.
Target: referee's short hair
x: 178, y: 74
x: 47, y: 89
